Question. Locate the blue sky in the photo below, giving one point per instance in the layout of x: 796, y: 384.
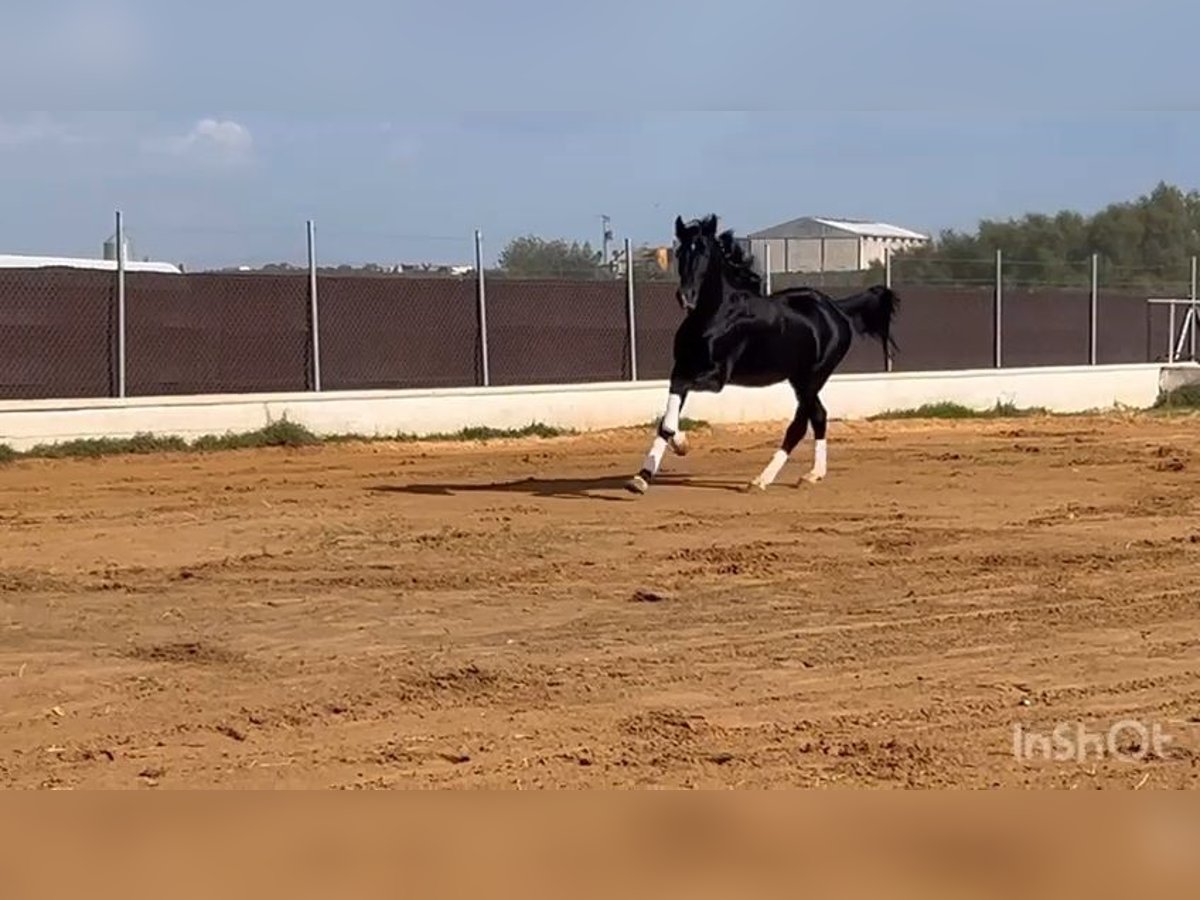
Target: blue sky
x: 402, y: 126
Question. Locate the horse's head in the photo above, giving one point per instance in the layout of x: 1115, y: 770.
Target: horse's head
x: 696, y: 255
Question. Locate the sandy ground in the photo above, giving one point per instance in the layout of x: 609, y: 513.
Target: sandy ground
x: 505, y: 615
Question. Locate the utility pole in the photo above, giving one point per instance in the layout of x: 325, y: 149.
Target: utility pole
x: 607, y: 238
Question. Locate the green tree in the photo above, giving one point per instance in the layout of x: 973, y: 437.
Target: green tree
x: 535, y: 257
x: 1146, y: 241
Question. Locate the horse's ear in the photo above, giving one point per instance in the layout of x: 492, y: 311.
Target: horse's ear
x: 708, y: 226
x: 680, y: 228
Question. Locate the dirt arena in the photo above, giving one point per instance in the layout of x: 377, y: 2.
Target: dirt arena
x: 505, y: 615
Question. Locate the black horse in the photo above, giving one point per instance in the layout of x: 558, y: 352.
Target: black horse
x: 734, y: 334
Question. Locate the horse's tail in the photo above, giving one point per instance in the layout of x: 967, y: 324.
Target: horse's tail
x: 872, y: 312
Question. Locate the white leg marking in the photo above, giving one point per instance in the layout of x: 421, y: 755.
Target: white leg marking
x: 654, y: 457
x: 640, y: 483
x: 770, y: 473
x: 670, y: 421
x: 820, y: 462
x: 670, y: 424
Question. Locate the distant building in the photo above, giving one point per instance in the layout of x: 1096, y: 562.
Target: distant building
x: 436, y: 268
x: 818, y: 244
x: 13, y: 261
x: 107, y: 262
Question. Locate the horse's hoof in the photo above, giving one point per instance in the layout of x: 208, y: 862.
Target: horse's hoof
x: 637, y: 485
x: 679, y: 444
x: 753, y: 486
x: 810, y: 478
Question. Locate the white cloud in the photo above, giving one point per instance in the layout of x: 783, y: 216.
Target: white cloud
x: 210, y: 141
x: 34, y: 131
x: 39, y: 128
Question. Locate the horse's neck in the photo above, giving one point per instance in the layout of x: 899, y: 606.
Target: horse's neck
x: 744, y: 283
x: 713, y: 291
x: 741, y: 279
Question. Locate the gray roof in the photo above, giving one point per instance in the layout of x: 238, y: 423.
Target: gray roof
x: 820, y: 226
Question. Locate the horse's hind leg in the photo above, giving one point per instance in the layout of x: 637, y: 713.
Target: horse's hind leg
x: 819, y: 419
x: 793, y: 436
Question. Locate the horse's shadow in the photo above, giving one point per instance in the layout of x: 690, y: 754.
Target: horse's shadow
x: 609, y: 488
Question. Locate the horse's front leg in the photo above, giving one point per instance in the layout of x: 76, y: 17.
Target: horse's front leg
x: 669, y: 434
x: 670, y: 427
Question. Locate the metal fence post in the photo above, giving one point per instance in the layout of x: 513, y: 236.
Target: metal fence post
x: 1170, y: 332
x: 120, y: 236
x: 1094, y: 312
x: 998, y: 308
x: 890, y: 363
x: 312, y: 301
x: 630, y: 313
x: 1192, y: 333
x: 482, y: 296
x: 767, y: 266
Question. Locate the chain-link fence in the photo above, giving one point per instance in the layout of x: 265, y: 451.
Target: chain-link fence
x: 70, y: 332
x: 58, y: 332
x: 379, y: 332
x: 216, y: 334
x: 1004, y: 312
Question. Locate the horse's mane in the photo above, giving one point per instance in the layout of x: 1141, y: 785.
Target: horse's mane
x: 739, y: 261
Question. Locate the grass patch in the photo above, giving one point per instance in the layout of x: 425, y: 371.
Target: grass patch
x: 278, y: 434
x: 1184, y: 397
x: 88, y: 448
x: 486, y: 433
x: 281, y: 433
x: 949, y: 410
x: 685, y: 424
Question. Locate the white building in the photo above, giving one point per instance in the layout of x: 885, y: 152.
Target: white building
x: 14, y: 261
x: 819, y: 244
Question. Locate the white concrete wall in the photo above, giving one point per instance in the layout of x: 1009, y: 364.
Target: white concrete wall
x: 24, y: 423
